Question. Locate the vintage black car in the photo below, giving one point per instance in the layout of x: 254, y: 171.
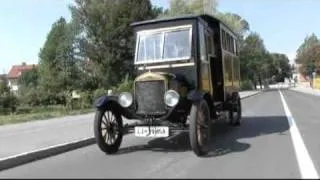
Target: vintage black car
x: 188, y: 77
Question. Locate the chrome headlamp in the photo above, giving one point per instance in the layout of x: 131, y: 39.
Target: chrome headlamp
x: 125, y: 99
x: 171, y: 98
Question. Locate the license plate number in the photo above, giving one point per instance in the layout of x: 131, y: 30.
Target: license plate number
x: 153, y: 131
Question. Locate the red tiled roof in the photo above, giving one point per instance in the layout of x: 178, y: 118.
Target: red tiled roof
x: 17, y: 70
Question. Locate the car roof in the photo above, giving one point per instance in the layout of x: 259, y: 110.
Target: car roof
x: 205, y: 17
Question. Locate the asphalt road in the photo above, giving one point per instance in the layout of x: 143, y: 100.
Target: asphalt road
x: 263, y: 147
x: 34, y: 135
x: 24, y: 137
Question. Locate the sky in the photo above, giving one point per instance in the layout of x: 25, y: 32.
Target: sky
x: 283, y: 24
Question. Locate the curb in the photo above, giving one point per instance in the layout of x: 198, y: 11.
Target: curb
x: 31, y: 156
x: 27, y: 157
x: 259, y: 92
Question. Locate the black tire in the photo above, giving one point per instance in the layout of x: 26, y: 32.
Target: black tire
x: 200, y: 147
x: 110, y: 141
x: 236, y: 120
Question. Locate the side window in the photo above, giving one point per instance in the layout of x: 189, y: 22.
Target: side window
x: 224, y: 39
x: 210, y: 43
x: 203, y: 55
x: 231, y: 44
x: 235, y: 47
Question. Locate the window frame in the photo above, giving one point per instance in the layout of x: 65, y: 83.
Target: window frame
x: 163, y: 31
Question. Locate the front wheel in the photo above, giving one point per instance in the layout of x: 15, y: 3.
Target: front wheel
x: 200, y: 128
x: 108, y: 130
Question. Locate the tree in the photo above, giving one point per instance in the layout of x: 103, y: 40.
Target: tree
x: 51, y: 63
x: 8, y: 101
x: 188, y: 7
x: 58, y: 62
x: 195, y: 7
x: 309, y: 42
x: 107, y: 36
x: 29, y: 78
x: 311, y: 60
x: 281, y: 64
x: 4, y: 88
x: 239, y: 25
x: 253, y: 58
x: 307, y: 55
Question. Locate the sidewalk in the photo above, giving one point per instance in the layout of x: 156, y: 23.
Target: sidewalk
x: 16, y: 139
x: 307, y: 90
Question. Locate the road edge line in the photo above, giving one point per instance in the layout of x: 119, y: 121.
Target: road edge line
x: 306, y: 165
x: 27, y: 157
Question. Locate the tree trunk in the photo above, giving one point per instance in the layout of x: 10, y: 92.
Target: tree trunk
x: 260, y: 82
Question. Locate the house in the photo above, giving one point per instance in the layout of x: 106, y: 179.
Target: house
x: 15, y: 73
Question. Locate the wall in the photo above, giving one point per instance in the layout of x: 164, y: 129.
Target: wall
x: 317, y: 82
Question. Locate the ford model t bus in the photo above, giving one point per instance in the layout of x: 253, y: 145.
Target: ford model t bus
x: 188, y: 77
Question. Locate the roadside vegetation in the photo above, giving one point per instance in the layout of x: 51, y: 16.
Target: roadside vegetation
x: 308, y: 55
x: 83, y: 58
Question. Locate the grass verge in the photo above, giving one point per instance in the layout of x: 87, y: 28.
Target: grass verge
x: 19, y: 118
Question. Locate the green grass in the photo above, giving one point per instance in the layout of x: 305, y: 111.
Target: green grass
x: 19, y: 118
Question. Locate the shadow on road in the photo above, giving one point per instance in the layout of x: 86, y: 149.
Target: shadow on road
x: 225, y: 139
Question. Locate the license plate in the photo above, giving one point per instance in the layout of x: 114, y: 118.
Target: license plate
x: 152, y: 131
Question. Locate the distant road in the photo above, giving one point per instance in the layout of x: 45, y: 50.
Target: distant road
x: 269, y: 144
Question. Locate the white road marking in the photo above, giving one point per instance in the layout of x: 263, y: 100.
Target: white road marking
x: 306, y: 166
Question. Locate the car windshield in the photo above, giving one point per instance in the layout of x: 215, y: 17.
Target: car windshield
x: 164, y: 46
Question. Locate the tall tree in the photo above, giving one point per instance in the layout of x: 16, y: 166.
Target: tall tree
x: 29, y: 78
x: 282, y: 66
x: 107, y: 37
x: 188, y: 7
x: 238, y: 24
x: 50, y: 57
x: 58, y: 65
x: 311, y: 61
x: 309, y: 42
x: 307, y: 55
x: 252, y: 58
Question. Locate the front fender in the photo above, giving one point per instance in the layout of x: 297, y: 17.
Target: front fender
x: 102, y: 103
x: 196, y: 95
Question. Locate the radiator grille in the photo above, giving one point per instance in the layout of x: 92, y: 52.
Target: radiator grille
x: 149, y: 97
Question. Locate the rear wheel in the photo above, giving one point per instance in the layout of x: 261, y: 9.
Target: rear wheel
x: 200, y: 128
x: 108, y: 130
x: 235, y: 113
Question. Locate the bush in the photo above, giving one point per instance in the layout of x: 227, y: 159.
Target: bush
x: 126, y: 86
x: 99, y: 92
x: 8, y: 103
x: 48, y: 108
x: 30, y: 97
x: 86, y: 100
x: 246, y: 85
x: 24, y: 110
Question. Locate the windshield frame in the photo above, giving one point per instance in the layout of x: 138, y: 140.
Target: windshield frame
x: 162, y: 31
